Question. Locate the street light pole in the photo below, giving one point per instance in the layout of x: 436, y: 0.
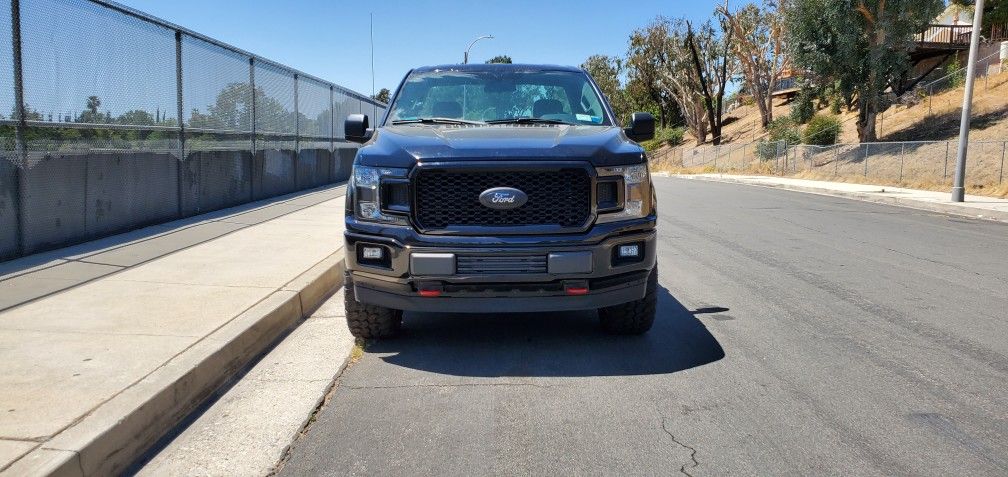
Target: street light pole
x: 465, y: 59
x: 958, y: 186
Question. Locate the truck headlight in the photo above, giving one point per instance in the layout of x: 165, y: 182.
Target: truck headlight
x: 636, y: 192
x: 366, y: 183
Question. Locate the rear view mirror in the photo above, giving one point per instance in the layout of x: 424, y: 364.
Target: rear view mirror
x: 642, y: 127
x: 356, y: 127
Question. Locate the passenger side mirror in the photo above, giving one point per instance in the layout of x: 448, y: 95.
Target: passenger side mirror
x: 641, y: 127
x: 356, y: 128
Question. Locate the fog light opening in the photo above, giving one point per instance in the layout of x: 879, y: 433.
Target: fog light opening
x: 626, y: 253
x: 372, y: 253
x: 629, y: 251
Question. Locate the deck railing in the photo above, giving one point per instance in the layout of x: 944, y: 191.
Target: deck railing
x: 959, y: 34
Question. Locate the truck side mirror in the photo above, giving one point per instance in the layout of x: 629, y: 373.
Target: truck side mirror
x: 641, y: 127
x: 356, y: 128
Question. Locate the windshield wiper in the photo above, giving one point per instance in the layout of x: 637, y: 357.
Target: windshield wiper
x: 435, y: 121
x: 527, y: 120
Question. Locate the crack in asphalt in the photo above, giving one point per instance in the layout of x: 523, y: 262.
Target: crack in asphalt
x: 691, y: 450
x: 453, y: 385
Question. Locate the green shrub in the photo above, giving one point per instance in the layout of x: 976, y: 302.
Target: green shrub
x: 780, y: 131
x: 822, y: 130
x: 784, y: 129
x: 803, y: 109
x: 767, y: 150
x: 957, y: 73
x: 834, y: 106
x: 665, y: 136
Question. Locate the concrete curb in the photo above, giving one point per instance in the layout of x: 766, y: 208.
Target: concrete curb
x: 950, y: 209
x: 115, y: 434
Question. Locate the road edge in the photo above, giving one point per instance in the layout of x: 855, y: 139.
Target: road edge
x: 949, y: 209
x: 113, y: 436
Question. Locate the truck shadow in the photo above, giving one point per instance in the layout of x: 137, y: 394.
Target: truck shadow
x: 550, y: 344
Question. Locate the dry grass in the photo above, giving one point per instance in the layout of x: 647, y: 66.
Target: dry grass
x: 357, y: 352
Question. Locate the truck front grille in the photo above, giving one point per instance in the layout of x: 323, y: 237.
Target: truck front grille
x: 499, y: 264
x: 446, y: 198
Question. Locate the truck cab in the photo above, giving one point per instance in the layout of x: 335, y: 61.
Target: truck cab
x: 499, y: 188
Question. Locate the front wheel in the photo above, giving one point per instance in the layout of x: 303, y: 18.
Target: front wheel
x: 369, y: 321
x: 635, y: 317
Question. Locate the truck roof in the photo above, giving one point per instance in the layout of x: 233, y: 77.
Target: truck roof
x: 495, y: 67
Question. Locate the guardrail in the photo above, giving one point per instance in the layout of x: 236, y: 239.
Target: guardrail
x: 112, y: 119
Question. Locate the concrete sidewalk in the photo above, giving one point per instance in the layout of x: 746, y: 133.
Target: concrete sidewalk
x: 105, y: 347
x: 980, y: 207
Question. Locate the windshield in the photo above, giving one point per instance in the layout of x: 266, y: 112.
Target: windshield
x: 562, y: 97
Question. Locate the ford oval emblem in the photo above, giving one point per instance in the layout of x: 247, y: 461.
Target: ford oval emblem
x: 503, y: 198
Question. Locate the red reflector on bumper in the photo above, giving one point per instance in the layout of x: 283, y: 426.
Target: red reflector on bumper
x: 430, y: 293
x: 577, y: 291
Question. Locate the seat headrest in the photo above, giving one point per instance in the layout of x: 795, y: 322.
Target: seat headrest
x: 447, y: 109
x: 546, y: 106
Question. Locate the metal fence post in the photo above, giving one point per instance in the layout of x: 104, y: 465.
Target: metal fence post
x: 297, y: 134
x: 252, y: 128
x: 866, y: 149
x: 181, y: 125
x: 778, y: 150
x: 20, y: 152
x: 1001, y: 172
x: 902, y: 152
x: 945, y: 172
x: 930, y: 95
x: 332, y: 135
x: 717, y: 152
x: 836, y: 161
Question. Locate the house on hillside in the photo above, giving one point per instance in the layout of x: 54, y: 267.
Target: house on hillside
x: 946, y: 40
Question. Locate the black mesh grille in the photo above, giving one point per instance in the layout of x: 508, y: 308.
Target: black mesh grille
x: 493, y: 264
x: 451, y: 198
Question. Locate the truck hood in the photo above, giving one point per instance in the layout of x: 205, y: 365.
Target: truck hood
x: 406, y: 145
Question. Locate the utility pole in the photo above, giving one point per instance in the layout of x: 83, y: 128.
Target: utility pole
x: 372, y: 56
x: 958, y: 187
x: 465, y: 58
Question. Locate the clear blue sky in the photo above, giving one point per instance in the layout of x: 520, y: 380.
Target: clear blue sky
x: 329, y: 38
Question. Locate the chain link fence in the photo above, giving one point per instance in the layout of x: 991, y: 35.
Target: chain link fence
x: 911, y: 162
x: 111, y: 119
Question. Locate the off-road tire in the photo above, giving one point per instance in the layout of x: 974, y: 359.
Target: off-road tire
x: 370, y: 321
x: 635, y: 317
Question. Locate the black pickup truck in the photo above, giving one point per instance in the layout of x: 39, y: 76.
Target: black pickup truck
x: 499, y: 188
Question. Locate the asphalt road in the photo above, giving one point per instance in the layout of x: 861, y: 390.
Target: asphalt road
x: 797, y: 334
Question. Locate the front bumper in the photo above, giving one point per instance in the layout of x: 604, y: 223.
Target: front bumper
x: 581, y: 262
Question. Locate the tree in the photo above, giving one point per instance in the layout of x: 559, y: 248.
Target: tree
x: 713, y: 69
x: 136, y: 117
x: 91, y: 115
x: 862, y: 45
x: 606, y: 71
x: 646, y: 63
x: 759, y: 49
x: 995, y: 12
x: 383, y: 95
x: 500, y: 59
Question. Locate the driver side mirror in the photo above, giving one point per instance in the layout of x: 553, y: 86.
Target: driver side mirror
x: 356, y: 128
x: 641, y: 127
